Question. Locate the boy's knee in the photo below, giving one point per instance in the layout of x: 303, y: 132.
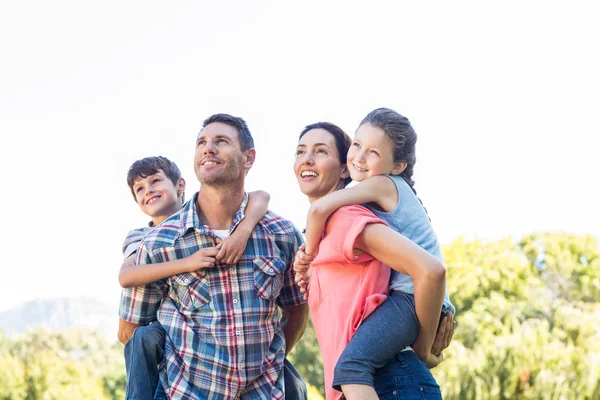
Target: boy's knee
x: 149, y: 338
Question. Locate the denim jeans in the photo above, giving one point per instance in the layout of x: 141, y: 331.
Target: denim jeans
x: 381, y: 336
x: 407, y: 378
x: 145, y: 350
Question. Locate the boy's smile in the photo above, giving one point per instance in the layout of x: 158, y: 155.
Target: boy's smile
x: 157, y: 196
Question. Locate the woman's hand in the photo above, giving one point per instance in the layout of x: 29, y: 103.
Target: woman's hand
x: 442, y: 340
x: 302, y: 263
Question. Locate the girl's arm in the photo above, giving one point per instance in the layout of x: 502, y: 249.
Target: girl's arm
x: 132, y: 275
x: 427, y: 273
x: 376, y: 189
x: 233, y: 247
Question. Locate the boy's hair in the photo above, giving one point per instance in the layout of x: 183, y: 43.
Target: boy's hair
x: 244, y: 135
x: 342, y: 141
x: 150, y: 166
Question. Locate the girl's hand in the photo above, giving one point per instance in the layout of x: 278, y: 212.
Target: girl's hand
x: 302, y: 261
x: 232, y: 248
x: 203, y: 258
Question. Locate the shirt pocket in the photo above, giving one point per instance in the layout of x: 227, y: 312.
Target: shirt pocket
x: 268, y: 277
x: 190, y: 290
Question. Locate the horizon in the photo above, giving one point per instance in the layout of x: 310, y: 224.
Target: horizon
x: 504, y: 100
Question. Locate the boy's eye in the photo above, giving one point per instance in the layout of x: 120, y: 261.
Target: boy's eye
x: 155, y: 180
x: 139, y: 189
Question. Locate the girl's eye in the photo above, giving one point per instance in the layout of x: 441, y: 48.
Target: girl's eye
x: 374, y: 152
x: 356, y: 145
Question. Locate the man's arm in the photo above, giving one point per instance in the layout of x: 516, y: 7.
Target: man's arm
x: 126, y: 329
x: 294, y: 321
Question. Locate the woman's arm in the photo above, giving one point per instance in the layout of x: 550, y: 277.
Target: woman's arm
x: 233, y: 247
x: 376, y: 189
x: 132, y: 275
x: 427, y: 273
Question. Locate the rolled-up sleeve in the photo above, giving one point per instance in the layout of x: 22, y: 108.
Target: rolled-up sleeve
x: 290, y: 294
x: 140, y: 304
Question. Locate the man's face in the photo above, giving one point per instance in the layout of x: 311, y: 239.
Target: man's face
x: 219, y: 158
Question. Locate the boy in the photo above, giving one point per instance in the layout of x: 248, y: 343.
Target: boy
x: 158, y: 188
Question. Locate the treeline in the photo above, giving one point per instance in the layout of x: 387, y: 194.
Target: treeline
x: 528, y: 316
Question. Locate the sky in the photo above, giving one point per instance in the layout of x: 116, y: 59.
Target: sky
x: 505, y: 99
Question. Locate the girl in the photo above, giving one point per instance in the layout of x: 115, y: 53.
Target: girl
x: 382, y: 157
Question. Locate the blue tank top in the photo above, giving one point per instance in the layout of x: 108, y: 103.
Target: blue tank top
x: 411, y: 220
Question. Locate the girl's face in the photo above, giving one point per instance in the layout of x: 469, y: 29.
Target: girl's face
x: 317, y: 166
x: 370, y: 154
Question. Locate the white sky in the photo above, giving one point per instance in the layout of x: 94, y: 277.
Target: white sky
x: 505, y: 99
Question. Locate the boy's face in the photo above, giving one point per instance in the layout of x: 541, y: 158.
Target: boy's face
x: 157, y: 196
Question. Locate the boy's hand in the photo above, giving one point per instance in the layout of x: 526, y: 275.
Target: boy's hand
x: 232, y: 248
x: 203, y: 258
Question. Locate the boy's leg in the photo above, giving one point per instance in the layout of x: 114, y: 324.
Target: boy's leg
x: 143, y: 352
x: 381, y: 336
x: 295, y: 388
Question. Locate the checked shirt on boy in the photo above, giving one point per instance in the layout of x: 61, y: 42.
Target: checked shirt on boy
x: 224, y: 337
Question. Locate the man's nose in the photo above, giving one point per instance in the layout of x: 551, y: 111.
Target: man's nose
x: 209, y: 148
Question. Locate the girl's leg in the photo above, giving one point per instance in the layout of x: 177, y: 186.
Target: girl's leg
x: 382, y: 335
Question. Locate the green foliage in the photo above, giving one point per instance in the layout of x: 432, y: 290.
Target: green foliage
x: 528, y: 315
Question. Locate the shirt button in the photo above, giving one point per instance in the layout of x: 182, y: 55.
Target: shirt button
x: 186, y: 280
x: 271, y: 270
x: 238, y: 332
x: 234, y: 301
x: 394, y: 392
x: 230, y: 269
x: 421, y: 388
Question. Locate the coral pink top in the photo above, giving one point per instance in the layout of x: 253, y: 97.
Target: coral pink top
x: 344, y: 288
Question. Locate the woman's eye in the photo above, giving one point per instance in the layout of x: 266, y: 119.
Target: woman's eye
x: 321, y: 151
x: 299, y: 152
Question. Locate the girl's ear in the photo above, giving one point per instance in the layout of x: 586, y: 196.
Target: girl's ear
x: 345, y: 173
x: 399, y: 168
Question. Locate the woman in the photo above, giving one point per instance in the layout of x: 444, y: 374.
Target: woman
x: 349, y: 281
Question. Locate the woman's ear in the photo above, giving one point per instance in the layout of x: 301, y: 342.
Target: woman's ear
x: 399, y: 168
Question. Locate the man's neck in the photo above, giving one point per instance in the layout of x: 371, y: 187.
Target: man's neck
x: 217, y: 206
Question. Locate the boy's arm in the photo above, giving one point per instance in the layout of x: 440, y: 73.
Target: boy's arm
x: 427, y: 273
x: 132, y: 275
x: 233, y: 247
x: 376, y: 189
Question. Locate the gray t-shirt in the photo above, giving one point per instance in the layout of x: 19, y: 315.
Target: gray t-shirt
x: 132, y: 242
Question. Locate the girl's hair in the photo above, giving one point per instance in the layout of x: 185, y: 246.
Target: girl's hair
x: 400, y: 132
x: 342, y: 141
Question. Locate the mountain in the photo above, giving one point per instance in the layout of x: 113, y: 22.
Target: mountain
x: 61, y: 314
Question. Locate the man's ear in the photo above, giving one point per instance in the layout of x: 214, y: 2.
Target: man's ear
x: 399, y: 168
x: 249, y: 157
x: 180, y: 187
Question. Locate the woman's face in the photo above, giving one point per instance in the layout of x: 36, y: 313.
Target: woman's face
x: 317, y: 167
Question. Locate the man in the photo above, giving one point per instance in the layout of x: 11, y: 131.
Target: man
x: 228, y: 327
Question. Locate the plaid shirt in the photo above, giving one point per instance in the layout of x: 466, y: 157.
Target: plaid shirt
x: 224, y: 337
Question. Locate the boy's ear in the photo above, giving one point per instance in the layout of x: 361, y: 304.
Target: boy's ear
x: 180, y: 187
x: 249, y: 157
x: 399, y: 168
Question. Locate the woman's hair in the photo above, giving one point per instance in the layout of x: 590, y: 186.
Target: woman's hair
x: 400, y: 132
x: 342, y: 141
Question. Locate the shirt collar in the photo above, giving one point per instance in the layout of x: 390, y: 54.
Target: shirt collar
x: 189, y: 217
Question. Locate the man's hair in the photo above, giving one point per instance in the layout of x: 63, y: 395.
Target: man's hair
x: 150, y: 166
x: 244, y: 135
